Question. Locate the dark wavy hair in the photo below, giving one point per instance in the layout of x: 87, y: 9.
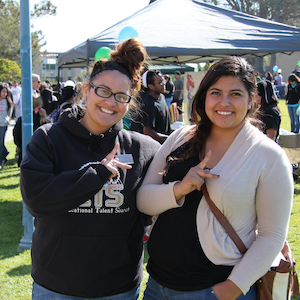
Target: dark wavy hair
x: 228, y: 66
x: 293, y: 78
x: 3, y: 87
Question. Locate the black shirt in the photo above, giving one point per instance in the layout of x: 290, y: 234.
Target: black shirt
x: 293, y: 94
x: 177, y: 260
x: 156, y: 114
x: 271, y: 119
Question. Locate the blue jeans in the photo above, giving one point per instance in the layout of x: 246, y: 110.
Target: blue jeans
x: 3, y: 151
x: 155, y: 291
x: 168, y: 101
x: 40, y: 293
x: 294, y: 118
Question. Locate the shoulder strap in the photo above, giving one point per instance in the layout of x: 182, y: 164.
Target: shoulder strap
x: 224, y: 222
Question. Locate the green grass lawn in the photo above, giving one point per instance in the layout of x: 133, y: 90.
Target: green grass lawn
x: 15, y: 266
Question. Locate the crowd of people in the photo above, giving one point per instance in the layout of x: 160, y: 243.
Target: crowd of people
x: 94, y: 188
x: 48, y: 102
x: 268, y: 93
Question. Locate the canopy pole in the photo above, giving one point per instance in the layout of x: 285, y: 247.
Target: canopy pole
x: 87, y: 60
x: 180, y: 64
x: 58, y: 71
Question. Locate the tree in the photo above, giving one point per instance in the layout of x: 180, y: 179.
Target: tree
x: 10, y: 29
x: 283, y: 11
x: 9, y: 70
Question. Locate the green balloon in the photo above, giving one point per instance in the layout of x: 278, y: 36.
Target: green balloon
x: 299, y: 63
x: 102, y: 53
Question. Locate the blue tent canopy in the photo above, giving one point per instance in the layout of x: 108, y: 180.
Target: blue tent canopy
x: 193, y: 32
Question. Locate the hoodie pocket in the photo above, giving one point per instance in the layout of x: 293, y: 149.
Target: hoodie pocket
x: 79, y: 257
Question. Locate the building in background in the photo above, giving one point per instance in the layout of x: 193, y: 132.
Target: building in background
x: 48, y: 69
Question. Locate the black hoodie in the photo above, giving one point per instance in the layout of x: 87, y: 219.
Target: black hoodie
x: 88, y: 234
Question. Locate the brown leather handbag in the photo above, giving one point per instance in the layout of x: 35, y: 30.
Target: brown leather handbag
x: 280, y: 282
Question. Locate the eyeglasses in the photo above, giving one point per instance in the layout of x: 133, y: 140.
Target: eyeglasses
x: 105, y: 93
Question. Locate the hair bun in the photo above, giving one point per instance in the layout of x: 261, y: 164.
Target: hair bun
x: 132, y: 54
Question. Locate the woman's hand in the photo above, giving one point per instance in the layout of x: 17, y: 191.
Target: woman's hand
x: 42, y: 112
x: 194, y: 179
x: 227, y: 290
x: 112, y: 163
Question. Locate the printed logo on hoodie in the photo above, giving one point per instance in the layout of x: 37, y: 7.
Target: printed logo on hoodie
x: 107, y: 201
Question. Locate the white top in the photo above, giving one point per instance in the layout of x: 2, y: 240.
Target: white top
x: 4, y: 119
x: 255, y: 192
x: 16, y: 92
x: 19, y: 109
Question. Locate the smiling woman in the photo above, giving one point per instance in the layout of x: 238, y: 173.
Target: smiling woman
x: 248, y: 177
x: 227, y: 103
x: 88, y: 238
x: 103, y: 109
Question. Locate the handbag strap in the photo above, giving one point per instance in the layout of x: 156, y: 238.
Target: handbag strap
x: 224, y: 222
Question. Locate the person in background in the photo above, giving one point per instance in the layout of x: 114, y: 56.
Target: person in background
x: 156, y: 119
x: 168, y: 93
x: 258, y: 76
x: 278, y: 78
x: 16, y: 94
x: 296, y: 71
x: 48, y: 103
x: 39, y: 118
x: 269, y: 76
x: 293, y: 100
x: 67, y: 95
x: 178, y: 93
x: 57, y: 91
x: 9, y: 93
x: 248, y: 177
x: 5, y: 107
x: 36, y: 82
x: 79, y: 179
x: 136, y: 116
x: 43, y: 86
x: 67, y: 99
x: 270, y: 114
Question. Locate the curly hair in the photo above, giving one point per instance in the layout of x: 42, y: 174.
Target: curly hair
x: 128, y: 58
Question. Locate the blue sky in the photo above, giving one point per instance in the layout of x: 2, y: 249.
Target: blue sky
x: 76, y: 21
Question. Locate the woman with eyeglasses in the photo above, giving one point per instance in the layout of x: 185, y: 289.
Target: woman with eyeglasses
x: 79, y: 179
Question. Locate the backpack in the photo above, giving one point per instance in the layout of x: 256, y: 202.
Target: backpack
x: 54, y: 115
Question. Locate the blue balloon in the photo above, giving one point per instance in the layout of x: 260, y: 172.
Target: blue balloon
x: 275, y: 68
x: 127, y: 33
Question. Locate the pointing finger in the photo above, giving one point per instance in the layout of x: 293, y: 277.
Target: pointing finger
x: 204, y: 161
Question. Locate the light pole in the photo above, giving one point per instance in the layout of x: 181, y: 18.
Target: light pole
x: 27, y: 125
